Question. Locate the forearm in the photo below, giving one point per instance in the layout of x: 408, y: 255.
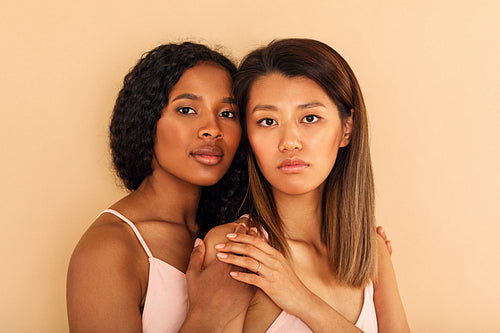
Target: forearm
x: 321, y: 317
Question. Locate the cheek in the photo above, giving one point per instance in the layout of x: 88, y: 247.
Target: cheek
x: 328, y: 137
x: 262, y: 150
x: 170, y: 135
x: 232, y: 135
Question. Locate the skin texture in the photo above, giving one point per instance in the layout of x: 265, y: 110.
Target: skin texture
x: 196, y: 103
x: 108, y: 272
x: 281, y: 118
x: 293, y: 119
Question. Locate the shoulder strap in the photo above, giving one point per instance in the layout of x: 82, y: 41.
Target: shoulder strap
x: 134, y: 228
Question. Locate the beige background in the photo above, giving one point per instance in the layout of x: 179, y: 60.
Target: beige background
x: 429, y: 71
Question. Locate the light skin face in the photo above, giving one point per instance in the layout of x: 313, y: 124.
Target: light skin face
x: 295, y: 132
x: 199, y: 130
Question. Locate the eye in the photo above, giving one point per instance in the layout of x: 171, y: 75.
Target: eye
x: 266, y: 122
x: 310, y: 119
x: 186, y: 110
x: 228, y: 114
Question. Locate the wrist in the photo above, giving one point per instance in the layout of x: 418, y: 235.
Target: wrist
x: 309, y: 305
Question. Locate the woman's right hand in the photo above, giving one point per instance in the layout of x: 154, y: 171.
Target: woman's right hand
x: 266, y: 268
x: 270, y: 271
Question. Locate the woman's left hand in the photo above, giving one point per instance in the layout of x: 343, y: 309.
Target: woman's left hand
x: 268, y: 269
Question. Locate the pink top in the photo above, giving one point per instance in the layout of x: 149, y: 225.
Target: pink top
x: 367, y: 320
x: 165, y: 306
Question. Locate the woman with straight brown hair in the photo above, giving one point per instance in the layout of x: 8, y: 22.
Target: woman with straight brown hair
x: 322, y: 266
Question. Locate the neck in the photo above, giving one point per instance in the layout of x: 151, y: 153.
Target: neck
x: 168, y: 198
x: 301, y: 215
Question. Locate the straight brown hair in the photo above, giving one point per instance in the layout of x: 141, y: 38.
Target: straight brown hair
x: 348, y: 223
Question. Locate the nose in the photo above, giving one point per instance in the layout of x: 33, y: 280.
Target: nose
x: 291, y: 139
x: 210, y: 128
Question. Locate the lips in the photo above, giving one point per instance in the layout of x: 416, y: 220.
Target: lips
x: 208, y: 155
x: 292, y: 165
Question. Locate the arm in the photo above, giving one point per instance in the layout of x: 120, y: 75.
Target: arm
x: 388, y: 305
x: 217, y: 303
x: 103, y: 289
x: 108, y: 273
x: 272, y: 273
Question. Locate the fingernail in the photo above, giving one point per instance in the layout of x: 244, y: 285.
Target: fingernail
x: 233, y: 273
x: 254, y: 229
x: 231, y: 235
x: 222, y: 255
x: 197, y: 242
x: 244, y: 216
x: 220, y: 246
x: 243, y: 224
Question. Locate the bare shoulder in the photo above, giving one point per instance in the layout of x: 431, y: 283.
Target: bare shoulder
x: 105, y: 252
x: 106, y: 275
x: 218, y: 235
x: 108, y: 239
x: 219, y: 232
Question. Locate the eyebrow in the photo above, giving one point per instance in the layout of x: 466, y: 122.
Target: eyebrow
x: 227, y: 100
x: 270, y: 107
x: 264, y: 107
x: 311, y: 105
x: 187, y: 96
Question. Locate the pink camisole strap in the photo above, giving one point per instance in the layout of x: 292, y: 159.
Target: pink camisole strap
x: 134, y: 228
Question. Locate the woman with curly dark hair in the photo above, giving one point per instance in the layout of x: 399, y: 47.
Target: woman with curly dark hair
x: 174, y: 137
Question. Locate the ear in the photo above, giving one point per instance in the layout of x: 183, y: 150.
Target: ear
x: 348, y: 127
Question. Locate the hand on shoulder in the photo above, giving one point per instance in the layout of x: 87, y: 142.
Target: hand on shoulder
x: 218, y: 235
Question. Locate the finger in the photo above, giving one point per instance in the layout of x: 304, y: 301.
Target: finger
x: 247, y: 250
x: 253, y: 232
x: 240, y: 251
x: 248, y: 278
x: 241, y: 228
x: 255, y: 241
x: 381, y: 232
x: 197, y: 257
x: 241, y: 261
x: 389, y: 246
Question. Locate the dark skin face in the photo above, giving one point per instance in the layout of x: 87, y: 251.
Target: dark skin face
x: 199, y: 130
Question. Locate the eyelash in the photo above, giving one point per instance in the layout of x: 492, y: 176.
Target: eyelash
x: 232, y: 113
x: 311, y: 122
x: 263, y: 122
x: 185, y: 110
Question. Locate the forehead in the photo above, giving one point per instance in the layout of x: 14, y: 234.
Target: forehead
x: 275, y: 88
x: 204, y: 78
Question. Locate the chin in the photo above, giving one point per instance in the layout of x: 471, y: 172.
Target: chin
x: 208, y: 181
x: 295, y: 188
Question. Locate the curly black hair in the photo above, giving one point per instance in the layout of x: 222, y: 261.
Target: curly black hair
x: 138, y: 108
